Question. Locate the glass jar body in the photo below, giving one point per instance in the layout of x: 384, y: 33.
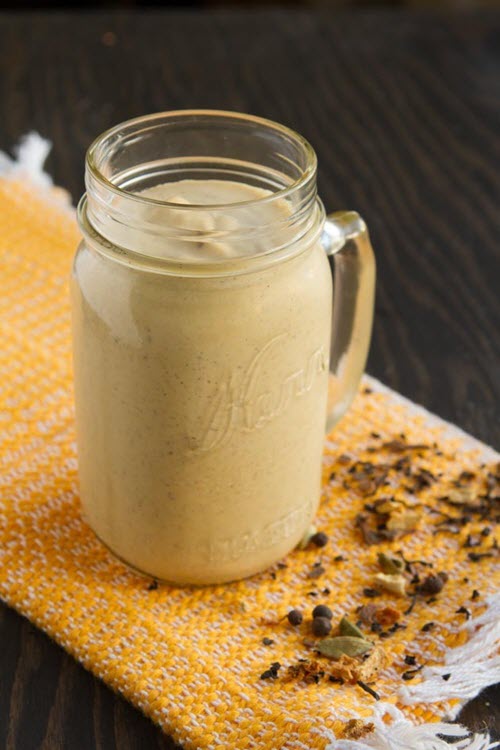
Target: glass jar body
x: 200, y: 405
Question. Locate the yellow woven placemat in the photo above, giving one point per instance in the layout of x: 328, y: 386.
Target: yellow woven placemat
x: 192, y: 659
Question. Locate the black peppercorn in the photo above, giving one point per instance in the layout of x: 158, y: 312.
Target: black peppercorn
x: 321, y: 626
x: 321, y: 610
x: 320, y: 539
x: 431, y: 585
x: 295, y: 617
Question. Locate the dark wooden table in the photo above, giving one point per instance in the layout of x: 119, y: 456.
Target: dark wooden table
x: 403, y: 110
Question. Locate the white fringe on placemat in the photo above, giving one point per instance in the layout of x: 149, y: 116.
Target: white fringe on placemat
x: 401, y: 734
x: 30, y: 155
x: 470, y: 667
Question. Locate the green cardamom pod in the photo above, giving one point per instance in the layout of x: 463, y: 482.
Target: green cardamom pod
x: 349, y: 628
x: 349, y: 645
x: 391, y: 565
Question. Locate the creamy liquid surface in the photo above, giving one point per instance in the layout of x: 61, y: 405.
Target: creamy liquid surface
x: 228, y: 215
x: 201, y: 401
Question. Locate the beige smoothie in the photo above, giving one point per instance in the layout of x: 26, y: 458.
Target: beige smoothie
x: 201, y: 400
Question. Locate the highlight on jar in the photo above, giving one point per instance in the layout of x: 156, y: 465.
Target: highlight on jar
x: 221, y: 324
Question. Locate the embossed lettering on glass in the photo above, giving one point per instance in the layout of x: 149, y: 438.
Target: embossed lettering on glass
x: 209, y: 346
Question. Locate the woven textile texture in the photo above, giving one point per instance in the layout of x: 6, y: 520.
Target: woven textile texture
x: 192, y: 659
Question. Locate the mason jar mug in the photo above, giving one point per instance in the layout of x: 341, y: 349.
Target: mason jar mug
x: 209, y: 347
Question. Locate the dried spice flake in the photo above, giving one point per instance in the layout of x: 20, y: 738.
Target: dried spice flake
x: 396, y: 584
x: 355, y: 729
x: 310, y: 672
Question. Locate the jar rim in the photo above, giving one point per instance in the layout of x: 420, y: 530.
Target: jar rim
x: 236, y: 266
x: 308, y: 173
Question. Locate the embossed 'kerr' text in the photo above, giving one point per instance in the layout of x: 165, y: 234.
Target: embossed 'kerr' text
x: 244, y: 402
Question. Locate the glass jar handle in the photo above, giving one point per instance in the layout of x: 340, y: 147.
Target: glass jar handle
x: 347, y: 244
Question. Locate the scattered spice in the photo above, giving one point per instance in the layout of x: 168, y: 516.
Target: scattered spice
x: 475, y: 595
x: 391, y: 565
x: 399, y: 446
x: 319, y: 539
x: 368, y: 690
x: 446, y: 676
x: 355, y: 729
x: 403, y: 521
x: 321, y: 626
x: 344, y: 459
x: 321, y: 610
x: 464, y: 611
x: 267, y: 641
x: 477, y: 556
x: 472, y: 541
x: 366, y: 614
x: 411, y: 673
x: 412, y: 605
x: 341, y: 645
x: 466, y: 476
x: 316, y: 571
x: 347, y: 627
x: 486, y: 531
x: 153, y: 585
x: 420, y: 481
x: 410, y: 660
x: 433, y: 584
x: 295, y: 617
x: 310, y: 672
x: 348, y: 669
x: 371, y: 593
x: 370, y: 533
x: 339, y: 558
x: 428, y: 627
x: 387, y: 616
x: 272, y: 672
x: 396, y: 584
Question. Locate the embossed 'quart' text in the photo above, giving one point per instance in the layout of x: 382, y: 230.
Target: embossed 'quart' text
x: 233, y: 548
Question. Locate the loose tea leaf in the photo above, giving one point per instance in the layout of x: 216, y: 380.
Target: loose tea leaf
x: 398, y: 446
x: 349, y: 628
x: 341, y: 645
x: 369, y: 690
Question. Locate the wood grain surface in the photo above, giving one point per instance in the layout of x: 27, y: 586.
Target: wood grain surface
x: 403, y: 110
